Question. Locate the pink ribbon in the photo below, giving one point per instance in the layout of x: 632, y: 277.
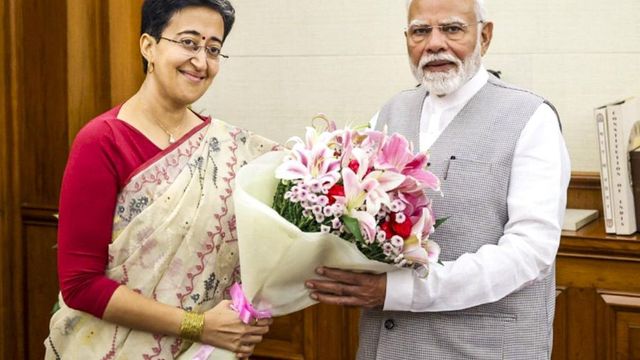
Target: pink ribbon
x: 203, y: 353
x: 245, y: 310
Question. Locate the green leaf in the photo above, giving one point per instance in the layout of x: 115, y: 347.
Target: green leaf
x: 439, y: 222
x: 353, y: 226
x: 55, y: 308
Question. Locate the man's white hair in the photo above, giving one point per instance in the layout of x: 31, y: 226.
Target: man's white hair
x: 478, y: 5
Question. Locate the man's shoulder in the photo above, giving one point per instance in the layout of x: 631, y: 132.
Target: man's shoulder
x: 407, y: 96
x: 514, y: 90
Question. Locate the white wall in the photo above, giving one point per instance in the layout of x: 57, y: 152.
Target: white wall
x: 291, y: 59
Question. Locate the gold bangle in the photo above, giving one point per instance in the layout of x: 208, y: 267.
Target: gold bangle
x: 192, y: 326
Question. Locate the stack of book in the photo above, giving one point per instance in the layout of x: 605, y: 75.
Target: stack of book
x: 618, y: 126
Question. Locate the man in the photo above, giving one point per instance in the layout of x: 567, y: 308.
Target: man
x: 504, y: 168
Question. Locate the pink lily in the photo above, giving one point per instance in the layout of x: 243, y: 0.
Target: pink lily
x: 355, y: 195
x: 419, y: 252
x: 315, y: 163
x: 424, y: 226
x: 396, y: 155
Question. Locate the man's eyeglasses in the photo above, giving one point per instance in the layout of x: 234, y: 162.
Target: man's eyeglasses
x: 192, y: 49
x: 452, y: 31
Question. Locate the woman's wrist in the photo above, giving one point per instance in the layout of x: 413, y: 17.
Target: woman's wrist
x: 192, y: 326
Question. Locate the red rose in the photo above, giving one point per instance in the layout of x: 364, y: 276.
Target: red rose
x: 354, y: 165
x: 335, y: 190
x: 387, y: 229
x: 402, y: 229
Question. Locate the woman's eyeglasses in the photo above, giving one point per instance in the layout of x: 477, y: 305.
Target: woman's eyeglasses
x: 192, y: 49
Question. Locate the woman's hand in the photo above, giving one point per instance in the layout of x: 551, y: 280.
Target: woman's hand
x: 223, y: 329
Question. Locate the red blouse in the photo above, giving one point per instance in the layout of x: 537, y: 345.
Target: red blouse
x: 104, y: 153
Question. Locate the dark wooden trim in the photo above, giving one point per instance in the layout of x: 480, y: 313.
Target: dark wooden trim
x: 40, y: 214
x: 585, y: 180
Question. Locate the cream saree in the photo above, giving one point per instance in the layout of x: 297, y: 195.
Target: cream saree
x: 174, y: 240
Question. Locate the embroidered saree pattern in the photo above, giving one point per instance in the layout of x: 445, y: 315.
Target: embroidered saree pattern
x: 174, y: 240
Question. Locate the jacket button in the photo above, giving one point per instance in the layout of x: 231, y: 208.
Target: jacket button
x: 389, y: 324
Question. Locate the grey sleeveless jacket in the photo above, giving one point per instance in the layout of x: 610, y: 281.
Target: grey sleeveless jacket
x: 473, y: 158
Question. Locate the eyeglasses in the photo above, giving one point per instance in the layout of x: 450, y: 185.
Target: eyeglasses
x: 453, y: 31
x: 191, y: 48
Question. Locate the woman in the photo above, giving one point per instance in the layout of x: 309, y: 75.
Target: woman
x: 150, y: 282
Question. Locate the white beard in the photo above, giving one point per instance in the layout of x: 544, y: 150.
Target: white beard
x: 443, y: 83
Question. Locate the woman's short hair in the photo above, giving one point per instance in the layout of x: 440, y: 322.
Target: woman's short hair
x: 156, y: 15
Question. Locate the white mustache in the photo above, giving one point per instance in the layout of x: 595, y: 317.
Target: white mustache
x: 427, y: 58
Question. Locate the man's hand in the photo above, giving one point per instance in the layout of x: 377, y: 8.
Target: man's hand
x: 349, y: 288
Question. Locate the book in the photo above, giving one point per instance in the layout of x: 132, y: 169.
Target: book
x: 622, y: 128
x: 600, y: 115
x: 574, y: 219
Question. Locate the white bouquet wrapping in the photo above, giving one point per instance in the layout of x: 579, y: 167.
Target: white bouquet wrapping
x: 276, y: 257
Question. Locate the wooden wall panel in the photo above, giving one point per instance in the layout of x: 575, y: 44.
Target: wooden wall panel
x: 10, y: 249
x: 41, y: 286
x: 619, y: 325
x: 43, y: 148
x: 286, y: 338
x: 88, y: 61
x: 43, y: 134
x: 5, y: 303
x: 125, y: 60
x: 321, y: 332
x: 560, y: 325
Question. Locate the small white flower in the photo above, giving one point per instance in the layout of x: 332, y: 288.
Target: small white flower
x: 381, y: 236
x: 319, y: 218
x: 325, y: 229
x: 312, y: 198
x: 315, y: 186
x: 397, y: 205
x: 306, y: 213
x: 303, y: 193
x: 397, y: 241
x: 323, y: 200
x: 317, y: 210
x: 338, y: 209
x: 327, y: 211
x: 387, y: 248
x: 287, y: 195
x: 336, y: 223
x: 400, y: 217
x: 402, y: 263
x: 398, y: 258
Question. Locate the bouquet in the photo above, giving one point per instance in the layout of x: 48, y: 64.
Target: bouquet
x: 346, y: 198
x: 364, y: 187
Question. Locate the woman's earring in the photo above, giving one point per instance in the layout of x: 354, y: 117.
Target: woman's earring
x: 151, y: 67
